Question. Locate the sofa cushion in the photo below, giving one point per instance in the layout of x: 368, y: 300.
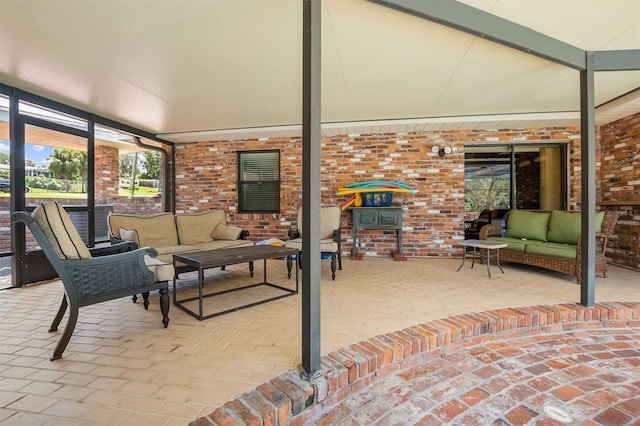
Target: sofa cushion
x: 155, y: 230
x: 165, y: 254
x: 515, y: 244
x: 162, y: 271
x: 528, y: 225
x: 566, y: 227
x: 197, y: 228
x: 226, y: 232
x: 60, y: 232
x: 327, y: 245
x: 176, y: 249
x: 568, y: 251
x: 129, y: 235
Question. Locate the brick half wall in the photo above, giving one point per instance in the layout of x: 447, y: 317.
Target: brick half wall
x: 291, y: 399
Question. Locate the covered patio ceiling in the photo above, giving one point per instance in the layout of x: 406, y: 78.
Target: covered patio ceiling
x: 224, y: 69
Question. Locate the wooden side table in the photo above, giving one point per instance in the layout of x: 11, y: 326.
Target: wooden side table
x: 479, y: 245
x: 383, y: 218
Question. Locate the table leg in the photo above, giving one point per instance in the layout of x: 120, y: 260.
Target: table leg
x: 265, y: 272
x: 297, y: 269
x: 488, y: 261
x: 175, y: 277
x: 498, y: 260
x: 473, y: 262
x: 464, y: 257
x: 200, y: 285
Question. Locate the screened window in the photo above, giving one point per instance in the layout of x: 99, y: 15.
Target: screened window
x: 259, y: 181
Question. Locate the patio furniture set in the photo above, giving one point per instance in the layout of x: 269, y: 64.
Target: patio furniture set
x: 197, y: 242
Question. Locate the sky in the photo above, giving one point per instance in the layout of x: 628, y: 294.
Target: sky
x: 36, y: 153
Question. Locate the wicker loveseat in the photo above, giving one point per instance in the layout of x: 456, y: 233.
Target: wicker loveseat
x: 550, y: 240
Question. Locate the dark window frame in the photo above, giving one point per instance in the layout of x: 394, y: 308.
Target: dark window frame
x: 265, y: 187
x: 512, y: 149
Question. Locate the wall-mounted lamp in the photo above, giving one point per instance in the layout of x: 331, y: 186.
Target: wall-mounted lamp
x: 441, y: 151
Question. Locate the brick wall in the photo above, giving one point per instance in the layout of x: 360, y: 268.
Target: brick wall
x: 620, y: 188
x: 620, y: 143
x: 206, y: 178
x: 107, y: 173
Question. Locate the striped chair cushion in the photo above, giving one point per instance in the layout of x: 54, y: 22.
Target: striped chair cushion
x: 60, y: 232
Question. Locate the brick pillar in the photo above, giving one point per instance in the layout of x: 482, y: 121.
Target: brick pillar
x: 107, y: 174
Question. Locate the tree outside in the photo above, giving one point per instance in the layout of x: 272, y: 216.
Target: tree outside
x: 143, y: 171
x: 151, y: 165
x: 69, y: 165
x: 486, y: 194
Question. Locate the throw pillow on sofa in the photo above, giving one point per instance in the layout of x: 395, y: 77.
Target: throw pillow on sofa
x: 225, y: 232
x: 566, y: 227
x: 528, y: 225
x: 130, y: 235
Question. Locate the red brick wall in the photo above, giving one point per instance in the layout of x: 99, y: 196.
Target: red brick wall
x: 620, y: 143
x: 620, y: 188
x: 206, y: 178
x: 107, y: 173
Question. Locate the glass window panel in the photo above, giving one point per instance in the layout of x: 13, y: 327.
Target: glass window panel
x: 47, y: 114
x: 487, y: 178
x: 129, y: 178
x: 5, y: 220
x: 539, y: 177
x: 55, y: 167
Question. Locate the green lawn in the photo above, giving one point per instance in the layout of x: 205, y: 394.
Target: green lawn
x: 45, y: 193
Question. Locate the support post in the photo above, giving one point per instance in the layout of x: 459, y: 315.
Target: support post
x: 588, y: 182
x: 311, y: 127
x: 17, y: 201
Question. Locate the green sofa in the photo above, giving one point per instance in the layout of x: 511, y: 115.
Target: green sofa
x: 549, y: 240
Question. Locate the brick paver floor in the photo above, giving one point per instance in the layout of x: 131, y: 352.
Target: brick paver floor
x: 583, y: 377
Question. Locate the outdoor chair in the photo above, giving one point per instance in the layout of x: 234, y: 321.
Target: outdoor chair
x: 93, y: 276
x: 330, y: 236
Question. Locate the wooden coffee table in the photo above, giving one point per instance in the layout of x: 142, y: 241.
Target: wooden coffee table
x: 477, y: 246
x: 206, y: 259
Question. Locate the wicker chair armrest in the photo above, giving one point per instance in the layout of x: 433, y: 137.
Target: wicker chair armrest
x: 490, y: 231
x: 115, y: 241
x: 601, y: 245
x: 100, y: 278
x: 293, y: 234
x: 114, y: 248
x: 337, y: 234
x: 115, y: 257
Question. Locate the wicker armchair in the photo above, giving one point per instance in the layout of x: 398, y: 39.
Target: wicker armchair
x: 93, y: 276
